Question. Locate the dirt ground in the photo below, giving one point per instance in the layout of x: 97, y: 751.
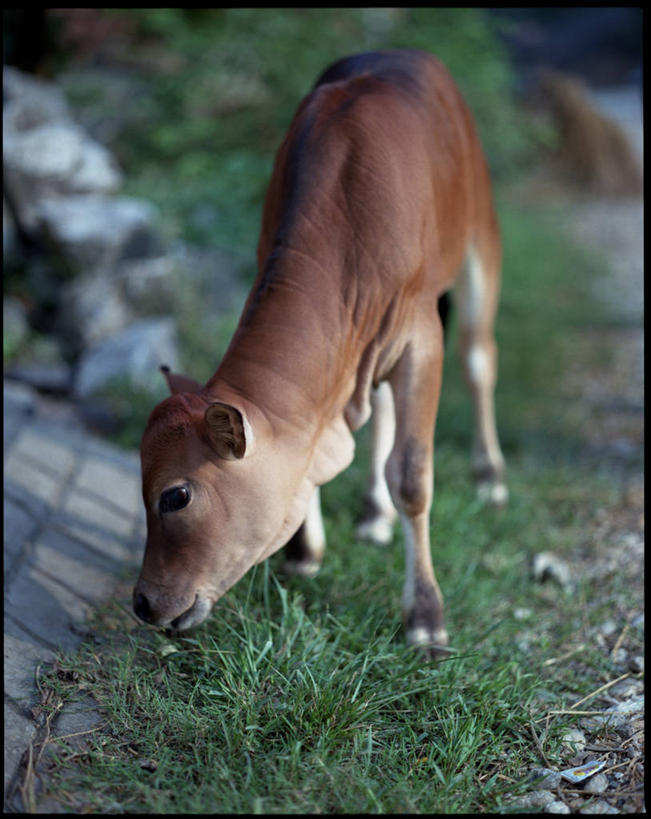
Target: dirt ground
x: 608, y: 392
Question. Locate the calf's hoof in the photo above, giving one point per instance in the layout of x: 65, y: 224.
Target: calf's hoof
x: 491, y: 486
x: 375, y: 524
x: 301, y: 568
x: 432, y: 643
x: 378, y: 530
x: 494, y: 493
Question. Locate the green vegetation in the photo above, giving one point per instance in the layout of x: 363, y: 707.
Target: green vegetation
x: 200, y: 122
x: 300, y: 696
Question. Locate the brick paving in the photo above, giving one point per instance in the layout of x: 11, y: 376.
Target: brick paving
x: 73, y: 525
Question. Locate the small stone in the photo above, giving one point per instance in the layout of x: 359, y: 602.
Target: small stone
x: 573, y: 740
x: 537, y: 799
x: 598, y: 806
x: 636, y: 664
x: 617, y: 716
x: 546, y: 778
x: 522, y: 613
x: 620, y: 657
x: 597, y: 784
x: 608, y: 628
x: 556, y: 807
x: 625, y: 689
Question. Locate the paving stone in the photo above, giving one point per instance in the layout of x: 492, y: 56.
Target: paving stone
x: 18, y: 405
x: 88, y: 508
x: 95, y: 537
x: 114, y: 484
x: 38, y: 448
x: 77, y: 718
x: 19, y: 526
x: 19, y: 732
x: 18, y: 398
x: 45, y: 608
x: 73, y: 522
x: 32, y: 480
x: 21, y: 657
x: 76, y: 566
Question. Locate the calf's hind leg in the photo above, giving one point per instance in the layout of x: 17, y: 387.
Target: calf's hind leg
x: 378, y: 517
x: 476, y: 296
x: 416, y: 384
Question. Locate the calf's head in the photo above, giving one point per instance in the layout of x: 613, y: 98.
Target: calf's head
x: 215, y: 504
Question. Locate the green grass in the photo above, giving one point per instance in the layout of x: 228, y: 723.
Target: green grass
x: 300, y: 695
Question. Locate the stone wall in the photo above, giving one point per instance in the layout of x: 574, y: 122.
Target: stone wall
x: 93, y: 283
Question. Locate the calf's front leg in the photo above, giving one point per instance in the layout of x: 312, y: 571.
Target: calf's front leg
x: 416, y: 384
x: 304, y: 551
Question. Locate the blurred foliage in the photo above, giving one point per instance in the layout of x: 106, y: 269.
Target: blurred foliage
x: 210, y: 93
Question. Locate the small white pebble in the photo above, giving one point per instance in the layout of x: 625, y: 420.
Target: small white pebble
x: 597, y: 784
x: 556, y: 807
x: 608, y: 628
x: 636, y: 664
x: 598, y: 806
x: 573, y: 740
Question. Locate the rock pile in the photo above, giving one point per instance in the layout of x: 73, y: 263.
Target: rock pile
x: 92, y: 274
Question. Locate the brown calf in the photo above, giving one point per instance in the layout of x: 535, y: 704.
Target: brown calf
x: 379, y: 203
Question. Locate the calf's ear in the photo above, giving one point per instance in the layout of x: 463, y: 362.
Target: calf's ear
x: 180, y: 383
x: 228, y: 430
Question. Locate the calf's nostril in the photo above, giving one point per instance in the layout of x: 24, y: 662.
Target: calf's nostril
x: 141, y: 606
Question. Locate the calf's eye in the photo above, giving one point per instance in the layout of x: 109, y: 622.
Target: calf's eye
x: 174, y: 499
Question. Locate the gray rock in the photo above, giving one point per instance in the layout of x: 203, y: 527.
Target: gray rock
x: 557, y: 807
x: 96, y: 231
x: 545, y: 778
x: 183, y: 275
x: 135, y: 353
x: 61, y: 154
x: 40, y: 364
x: 597, y: 784
x: 598, y: 806
x: 548, y: 566
x: 618, y: 715
x: 636, y: 664
x: 152, y: 285
x: 536, y: 799
x: 29, y: 101
x: 53, y: 378
x: 608, y: 628
x: 573, y: 740
x: 53, y: 160
x: 93, y: 308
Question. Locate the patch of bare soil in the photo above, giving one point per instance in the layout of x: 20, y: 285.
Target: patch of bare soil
x: 612, y: 393
x: 606, y: 384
